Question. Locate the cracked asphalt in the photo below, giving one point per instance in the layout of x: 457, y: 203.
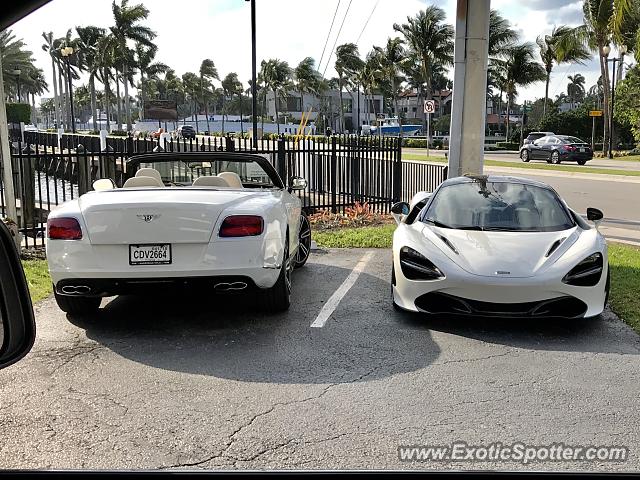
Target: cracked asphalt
x: 211, y: 383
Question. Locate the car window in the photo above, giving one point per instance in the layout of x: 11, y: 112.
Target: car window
x: 567, y: 140
x: 541, y: 141
x: 500, y: 205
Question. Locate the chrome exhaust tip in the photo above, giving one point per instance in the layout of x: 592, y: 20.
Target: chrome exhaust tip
x: 75, y: 289
x: 226, y: 287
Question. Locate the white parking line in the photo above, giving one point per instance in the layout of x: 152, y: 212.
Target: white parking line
x: 342, y: 290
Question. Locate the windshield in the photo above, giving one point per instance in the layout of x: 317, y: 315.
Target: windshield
x: 504, y: 206
x: 183, y: 173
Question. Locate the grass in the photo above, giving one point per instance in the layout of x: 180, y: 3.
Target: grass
x: 37, y: 274
x: 363, y: 237
x: 624, y: 261
x: 533, y: 166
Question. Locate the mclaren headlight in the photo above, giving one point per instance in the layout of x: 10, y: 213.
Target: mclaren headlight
x: 416, y: 266
x: 587, y: 273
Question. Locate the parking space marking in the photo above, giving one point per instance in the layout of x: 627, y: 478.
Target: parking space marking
x: 342, y: 290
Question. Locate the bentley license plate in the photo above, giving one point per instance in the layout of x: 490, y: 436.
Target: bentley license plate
x: 150, y: 254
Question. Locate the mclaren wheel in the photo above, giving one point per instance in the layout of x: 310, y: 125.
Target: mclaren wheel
x: 304, y: 242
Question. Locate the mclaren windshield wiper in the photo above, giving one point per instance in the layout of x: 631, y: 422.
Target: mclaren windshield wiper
x: 444, y: 225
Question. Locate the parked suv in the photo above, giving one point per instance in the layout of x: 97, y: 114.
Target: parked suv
x: 533, y: 136
x: 186, y: 131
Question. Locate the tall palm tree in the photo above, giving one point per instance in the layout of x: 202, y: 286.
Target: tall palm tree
x: 563, y: 45
x: 146, y: 66
x: 34, y: 84
x: 231, y: 86
x: 50, y: 47
x: 68, y: 68
x: 348, y: 62
x: 276, y: 76
x: 106, y: 61
x: 575, y: 88
x: 306, y: 79
x: 208, y: 72
x: 431, y: 41
x: 88, y: 41
x: 501, y: 38
x: 521, y: 69
x: 191, y: 85
x: 391, y: 57
x: 127, y: 27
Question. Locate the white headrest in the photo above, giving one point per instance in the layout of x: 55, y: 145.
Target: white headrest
x: 149, y: 172
x: 136, y: 182
x: 103, y: 184
x: 232, y: 178
x: 210, y: 181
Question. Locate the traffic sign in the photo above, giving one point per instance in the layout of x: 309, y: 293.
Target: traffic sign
x: 595, y: 113
x: 429, y: 106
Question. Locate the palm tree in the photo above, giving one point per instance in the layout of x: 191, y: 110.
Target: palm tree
x: 89, y: 40
x: 34, y: 84
x: 65, y: 70
x: 276, y: 76
x: 521, y: 69
x: 501, y: 38
x: 562, y: 46
x: 127, y: 27
x: 390, y: 59
x: 106, y: 61
x: 348, y: 62
x: 146, y: 66
x: 306, y: 79
x: 191, y: 84
x: 208, y: 72
x: 575, y: 88
x: 431, y: 41
x: 50, y: 47
x: 230, y: 86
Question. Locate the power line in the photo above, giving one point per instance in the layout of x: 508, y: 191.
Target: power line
x: 367, y: 22
x: 337, y: 36
x: 328, y: 34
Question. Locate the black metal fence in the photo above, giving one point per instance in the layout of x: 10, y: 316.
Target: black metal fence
x: 339, y: 170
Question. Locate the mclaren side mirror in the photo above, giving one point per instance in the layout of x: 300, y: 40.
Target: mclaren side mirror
x: 400, y: 211
x: 297, y: 183
x: 17, y: 324
x: 595, y: 215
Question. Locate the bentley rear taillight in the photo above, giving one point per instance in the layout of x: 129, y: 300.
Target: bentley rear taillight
x: 64, y: 229
x: 242, y: 226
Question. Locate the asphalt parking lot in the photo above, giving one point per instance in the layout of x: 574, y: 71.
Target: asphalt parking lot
x: 212, y: 383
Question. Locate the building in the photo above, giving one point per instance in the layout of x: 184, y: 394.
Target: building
x: 411, y: 107
x: 325, y: 109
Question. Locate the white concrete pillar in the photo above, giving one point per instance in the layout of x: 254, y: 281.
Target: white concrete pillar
x: 103, y: 140
x: 468, y: 110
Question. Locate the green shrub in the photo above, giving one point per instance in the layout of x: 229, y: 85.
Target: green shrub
x: 118, y: 133
x: 18, y: 112
x: 508, y: 145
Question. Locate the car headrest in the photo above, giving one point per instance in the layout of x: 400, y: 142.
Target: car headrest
x: 103, y: 184
x: 136, y: 182
x: 149, y: 172
x: 210, y: 181
x: 232, y: 178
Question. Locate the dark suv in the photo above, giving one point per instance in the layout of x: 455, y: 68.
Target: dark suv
x: 186, y: 131
x: 533, y: 136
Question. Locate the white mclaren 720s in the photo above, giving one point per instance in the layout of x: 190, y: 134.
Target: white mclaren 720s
x: 497, y: 246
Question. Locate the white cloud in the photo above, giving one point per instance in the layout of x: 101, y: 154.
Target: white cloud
x: 290, y: 30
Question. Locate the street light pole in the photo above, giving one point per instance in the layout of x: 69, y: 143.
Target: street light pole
x: 254, y: 75
x: 613, y: 100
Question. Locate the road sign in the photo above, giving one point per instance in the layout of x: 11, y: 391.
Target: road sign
x: 595, y: 113
x: 429, y: 106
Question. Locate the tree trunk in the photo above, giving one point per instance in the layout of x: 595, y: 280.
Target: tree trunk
x: 241, y: 120
x: 341, y: 109
x: 94, y: 106
x: 118, y: 110
x: 546, y: 95
x: 63, y: 104
x: 107, y: 100
x: 141, y: 110
x: 206, y: 107
x: 264, y: 109
x: 34, y: 120
x: 56, y: 98
x: 275, y: 95
x: 127, y: 104
x: 508, y: 109
x: 604, y: 71
x: 223, y: 112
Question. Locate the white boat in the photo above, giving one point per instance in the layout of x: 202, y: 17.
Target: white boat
x: 390, y: 126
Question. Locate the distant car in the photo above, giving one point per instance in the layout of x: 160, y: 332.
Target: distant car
x: 186, y: 131
x: 30, y: 128
x: 557, y: 149
x: 533, y: 136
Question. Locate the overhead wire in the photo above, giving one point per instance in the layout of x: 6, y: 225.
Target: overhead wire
x: 337, y: 37
x: 367, y: 22
x: 328, y: 34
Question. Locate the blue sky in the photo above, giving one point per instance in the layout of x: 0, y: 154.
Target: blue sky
x: 190, y: 31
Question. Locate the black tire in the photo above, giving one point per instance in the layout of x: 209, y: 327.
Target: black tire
x: 77, y: 305
x: 582, y: 162
x: 555, y: 157
x: 304, y: 242
x: 278, y: 298
x: 524, y: 155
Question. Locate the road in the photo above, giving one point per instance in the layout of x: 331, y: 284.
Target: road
x: 213, y: 384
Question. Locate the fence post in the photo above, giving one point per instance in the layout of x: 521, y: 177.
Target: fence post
x: 333, y: 172
x: 397, y: 173
x: 27, y: 197
x: 230, y: 144
x: 281, y: 161
x: 84, y: 169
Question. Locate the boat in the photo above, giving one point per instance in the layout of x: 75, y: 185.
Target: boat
x: 391, y: 127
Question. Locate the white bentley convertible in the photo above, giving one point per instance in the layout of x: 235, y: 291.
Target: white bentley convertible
x: 498, y: 246
x: 220, y: 222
